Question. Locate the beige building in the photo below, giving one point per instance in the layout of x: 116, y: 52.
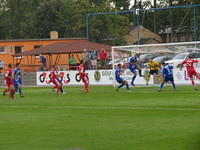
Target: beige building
x: 146, y: 37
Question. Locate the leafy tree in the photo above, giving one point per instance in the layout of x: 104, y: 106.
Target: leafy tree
x: 102, y: 27
x: 13, y: 18
x: 122, y: 5
x: 17, y: 18
x: 45, y: 18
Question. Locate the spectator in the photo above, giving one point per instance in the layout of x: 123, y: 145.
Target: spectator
x: 94, y: 58
x: 85, y: 57
x: 1, y: 65
x: 43, y: 60
x: 103, y: 58
x: 72, y: 62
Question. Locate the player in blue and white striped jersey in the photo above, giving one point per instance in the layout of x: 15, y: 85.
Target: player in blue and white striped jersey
x: 17, y: 72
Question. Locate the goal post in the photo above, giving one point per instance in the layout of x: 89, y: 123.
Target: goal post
x: 122, y: 54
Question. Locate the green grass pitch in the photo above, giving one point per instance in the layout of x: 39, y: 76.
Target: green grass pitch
x: 102, y: 119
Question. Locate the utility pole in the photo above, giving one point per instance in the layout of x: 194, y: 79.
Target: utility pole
x: 135, y: 4
x: 167, y: 33
x: 154, y: 19
x: 171, y: 20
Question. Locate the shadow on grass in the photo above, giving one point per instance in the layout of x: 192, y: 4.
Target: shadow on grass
x: 195, y: 144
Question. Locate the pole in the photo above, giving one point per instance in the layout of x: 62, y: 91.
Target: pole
x: 87, y: 31
x: 87, y: 38
x: 167, y: 33
x: 138, y: 25
x: 195, y: 29
x: 154, y: 18
x: 113, y: 66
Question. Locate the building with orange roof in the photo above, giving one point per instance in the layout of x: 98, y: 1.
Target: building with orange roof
x: 8, y: 48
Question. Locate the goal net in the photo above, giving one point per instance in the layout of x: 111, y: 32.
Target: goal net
x: 172, y: 53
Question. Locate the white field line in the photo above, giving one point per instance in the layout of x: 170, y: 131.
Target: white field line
x: 105, y: 108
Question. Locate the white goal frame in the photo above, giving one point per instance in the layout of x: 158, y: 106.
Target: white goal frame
x: 185, y: 47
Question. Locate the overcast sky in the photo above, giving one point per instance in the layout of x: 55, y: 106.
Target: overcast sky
x: 132, y: 1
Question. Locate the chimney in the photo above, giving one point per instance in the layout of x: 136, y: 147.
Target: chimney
x: 53, y: 35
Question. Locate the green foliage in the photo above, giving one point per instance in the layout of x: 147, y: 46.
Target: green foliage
x: 28, y: 19
x: 46, y: 18
x: 36, y: 19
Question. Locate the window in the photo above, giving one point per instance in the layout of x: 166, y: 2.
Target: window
x: 190, y: 38
x: 18, y: 49
x: 195, y: 55
x: 183, y: 38
x: 37, y: 46
x: 2, y: 50
x: 175, y: 39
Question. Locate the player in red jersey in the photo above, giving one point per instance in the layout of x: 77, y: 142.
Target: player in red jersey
x: 190, y: 69
x: 54, y: 78
x: 83, y: 76
x: 9, y: 82
x: 5, y: 90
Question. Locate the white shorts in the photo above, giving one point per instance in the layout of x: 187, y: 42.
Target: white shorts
x: 5, y: 84
x: 94, y: 62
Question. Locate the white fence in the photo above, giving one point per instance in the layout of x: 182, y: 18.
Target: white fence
x: 96, y: 77
x: 106, y: 77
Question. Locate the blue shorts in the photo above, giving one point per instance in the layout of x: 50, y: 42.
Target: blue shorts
x: 119, y: 80
x: 59, y: 80
x: 16, y: 83
x: 169, y: 78
x: 132, y: 68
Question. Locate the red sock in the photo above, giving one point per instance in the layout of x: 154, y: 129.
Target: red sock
x: 193, y: 83
x: 199, y: 78
x: 6, y: 90
x: 11, y: 93
x: 58, y: 89
x: 86, y: 85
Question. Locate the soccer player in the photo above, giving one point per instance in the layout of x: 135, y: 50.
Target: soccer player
x: 59, y: 80
x: 133, y: 65
x: 83, y: 76
x: 154, y: 66
x: 5, y: 90
x: 190, y: 69
x: 18, y: 79
x: 9, y: 82
x: 54, y: 78
x: 121, y: 81
x: 167, y: 76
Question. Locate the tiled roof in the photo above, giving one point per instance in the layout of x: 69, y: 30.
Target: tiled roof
x: 47, y: 39
x: 145, y: 41
x: 65, y: 48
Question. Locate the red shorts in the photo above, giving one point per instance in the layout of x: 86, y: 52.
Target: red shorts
x: 191, y: 72
x: 9, y: 83
x: 85, y: 79
x: 55, y: 81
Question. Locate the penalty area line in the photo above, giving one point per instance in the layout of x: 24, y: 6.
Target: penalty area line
x: 105, y: 108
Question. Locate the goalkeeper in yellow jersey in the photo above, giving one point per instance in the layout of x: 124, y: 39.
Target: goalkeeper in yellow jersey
x: 154, y: 66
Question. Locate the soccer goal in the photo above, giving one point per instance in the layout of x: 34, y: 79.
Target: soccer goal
x: 172, y: 53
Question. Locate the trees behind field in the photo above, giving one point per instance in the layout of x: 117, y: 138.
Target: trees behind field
x: 27, y: 19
